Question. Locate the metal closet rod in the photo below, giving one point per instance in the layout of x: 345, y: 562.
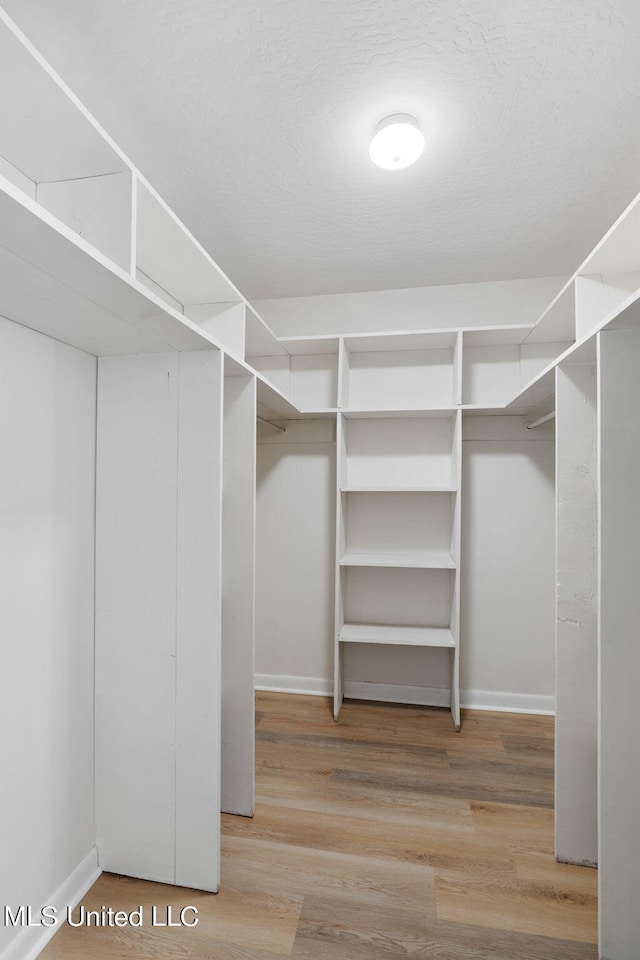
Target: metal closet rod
x: 540, y: 420
x: 270, y: 423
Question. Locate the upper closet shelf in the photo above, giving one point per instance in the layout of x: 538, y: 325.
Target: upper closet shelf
x: 273, y: 401
x: 542, y: 386
x: 168, y: 255
x: 45, y: 134
x: 53, y: 281
x: 92, y: 256
x: 619, y: 250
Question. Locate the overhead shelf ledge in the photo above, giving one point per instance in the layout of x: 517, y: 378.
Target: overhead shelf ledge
x: 57, y: 283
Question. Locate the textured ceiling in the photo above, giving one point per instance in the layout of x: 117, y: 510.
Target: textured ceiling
x: 252, y: 119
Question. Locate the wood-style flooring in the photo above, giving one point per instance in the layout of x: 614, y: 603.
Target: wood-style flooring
x: 384, y: 836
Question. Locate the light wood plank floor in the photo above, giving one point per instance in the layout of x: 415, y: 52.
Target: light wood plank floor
x: 384, y: 836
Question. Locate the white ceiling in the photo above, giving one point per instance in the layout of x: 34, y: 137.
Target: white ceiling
x: 252, y: 119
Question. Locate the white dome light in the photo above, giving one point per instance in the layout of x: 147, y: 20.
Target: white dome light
x: 397, y: 142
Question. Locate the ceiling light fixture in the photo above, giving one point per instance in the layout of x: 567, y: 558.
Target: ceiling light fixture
x: 397, y: 142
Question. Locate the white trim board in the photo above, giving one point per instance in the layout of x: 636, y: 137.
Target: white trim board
x: 506, y: 702
x: 490, y: 700
x: 31, y: 941
x: 308, y: 686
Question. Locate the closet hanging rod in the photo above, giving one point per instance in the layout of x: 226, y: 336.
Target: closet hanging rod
x: 540, y: 420
x: 270, y: 423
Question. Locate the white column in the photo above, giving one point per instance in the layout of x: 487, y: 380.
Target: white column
x: 576, y: 815
x: 158, y: 612
x: 619, y: 645
x: 238, y: 595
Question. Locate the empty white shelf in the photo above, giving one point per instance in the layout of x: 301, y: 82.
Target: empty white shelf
x: 376, y: 488
x: 56, y: 283
x: 401, y: 636
x: 426, y: 559
x: 402, y: 413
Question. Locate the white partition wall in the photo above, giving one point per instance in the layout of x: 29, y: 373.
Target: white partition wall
x: 576, y: 814
x: 238, y: 595
x: 619, y: 644
x: 158, y: 616
x: 47, y: 484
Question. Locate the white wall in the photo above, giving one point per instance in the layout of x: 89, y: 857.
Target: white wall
x: 416, y: 308
x: 507, y: 654
x: 295, y: 540
x: 507, y: 651
x: 47, y: 483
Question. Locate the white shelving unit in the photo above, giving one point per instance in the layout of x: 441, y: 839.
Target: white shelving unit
x: 405, y: 371
x: 398, y: 535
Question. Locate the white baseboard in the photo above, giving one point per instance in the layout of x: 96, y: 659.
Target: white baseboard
x: 501, y: 702
x: 492, y: 700
x: 311, y: 686
x: 31, y: 941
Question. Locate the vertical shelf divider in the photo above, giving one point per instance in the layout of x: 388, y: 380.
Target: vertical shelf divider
x: 456, y: 479
x: 134, y: 223
x: 458, y: 359
x: 340, y: 572
x: 238, y: 595
x: 342, y: 399
x: 576, y: 837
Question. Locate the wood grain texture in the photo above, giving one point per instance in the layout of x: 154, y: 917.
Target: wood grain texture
x: 359, y: 867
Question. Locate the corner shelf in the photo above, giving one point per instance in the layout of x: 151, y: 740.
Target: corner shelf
x: 58, y: 284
